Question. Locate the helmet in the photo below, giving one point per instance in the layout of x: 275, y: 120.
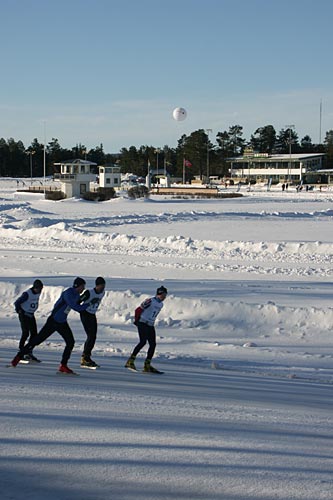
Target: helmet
x: 100, y: 281
x: 78, y: 282
x: 37, y: 284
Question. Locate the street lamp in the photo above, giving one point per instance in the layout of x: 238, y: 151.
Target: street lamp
x: 208, y: 130
x: 157, y: 151
x: 44, y: 156
x: 145, y: 150
x: 290, y: 127
x: 30, y: 153
x: 165, y: 150
x: 249, y: 173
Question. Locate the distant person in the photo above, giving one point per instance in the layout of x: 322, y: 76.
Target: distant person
x: 57, y: 322
x: 287, y: 185
x: 283, y: 187
x: 145, y: 318
x: 93, y: 300
x: 26, y: 306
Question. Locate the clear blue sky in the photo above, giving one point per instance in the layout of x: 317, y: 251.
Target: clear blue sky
x: 112, y: 71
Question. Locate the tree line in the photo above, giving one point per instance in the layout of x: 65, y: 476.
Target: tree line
x: 204, y: 156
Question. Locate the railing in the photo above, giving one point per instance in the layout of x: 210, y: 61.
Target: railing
x: 184, y: 190
x: 65, y: 176
x: 39, y: 189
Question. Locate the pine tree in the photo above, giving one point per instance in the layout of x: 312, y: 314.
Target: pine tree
x: 329, y: 148
x: 286, y: 140
x: 263, y: 140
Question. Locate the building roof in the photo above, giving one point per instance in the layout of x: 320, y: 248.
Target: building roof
x: 276, y: 157
x: 76, y: 162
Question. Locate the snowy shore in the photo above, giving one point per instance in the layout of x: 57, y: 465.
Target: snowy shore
x: 244, y: 410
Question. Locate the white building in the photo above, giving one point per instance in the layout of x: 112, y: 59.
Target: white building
x: 158, y: 177
x: 109, y: 177
x: 280, y: 167
x: 329, y: 173
x: 75, y: 176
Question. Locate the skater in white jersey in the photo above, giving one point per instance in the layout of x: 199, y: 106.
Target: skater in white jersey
x: 89, y: 321
x: 26, y: 305
x: 145, y: 317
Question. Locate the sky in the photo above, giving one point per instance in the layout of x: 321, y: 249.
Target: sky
x: 112, y: 71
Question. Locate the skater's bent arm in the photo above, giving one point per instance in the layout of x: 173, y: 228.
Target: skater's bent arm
x: 71, y: 300
x: 20, y: 301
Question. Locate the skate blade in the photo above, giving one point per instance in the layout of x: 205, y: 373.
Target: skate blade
x: 153, y: 373
x: 89, y: 367
x: 131, y: 369
x: 24, y: 362
x: 68, y: 374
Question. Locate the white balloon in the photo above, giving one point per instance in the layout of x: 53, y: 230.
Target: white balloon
x: 179, y: 114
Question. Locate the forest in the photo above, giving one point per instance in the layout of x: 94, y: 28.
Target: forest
x: 197, y: 149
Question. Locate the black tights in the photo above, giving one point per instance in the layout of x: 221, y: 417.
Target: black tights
x: 89, y: 323
x: 29, y: 327
x: 146, y: 333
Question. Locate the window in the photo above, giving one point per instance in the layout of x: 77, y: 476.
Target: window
x: 108, y: 180
x: 83, y: 188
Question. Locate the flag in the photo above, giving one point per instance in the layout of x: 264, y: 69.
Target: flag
x: 187, y: 163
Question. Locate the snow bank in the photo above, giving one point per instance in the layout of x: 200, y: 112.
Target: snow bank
x: 207, y: 319
x: 185, y: 242
x: 44, y: 234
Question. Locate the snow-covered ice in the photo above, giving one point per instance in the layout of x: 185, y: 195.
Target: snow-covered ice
x: 244, y: 410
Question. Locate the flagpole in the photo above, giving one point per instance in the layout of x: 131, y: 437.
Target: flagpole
x: 184, y: 170
x: 44, y: 157
x: 148, y: 183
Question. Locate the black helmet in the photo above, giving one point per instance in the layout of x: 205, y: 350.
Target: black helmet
x: 78, y: 282
x: 99, y: 281
x: 37, y: 284
x: 161, y: 289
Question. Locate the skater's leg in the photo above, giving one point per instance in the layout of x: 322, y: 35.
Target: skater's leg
x: 142, y: 331
x: 24, y: 322
x: 45, y: 333
x: 89, y: 323
x: 67, y: 334
x: 151, y: 337
x: 32, y: 327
